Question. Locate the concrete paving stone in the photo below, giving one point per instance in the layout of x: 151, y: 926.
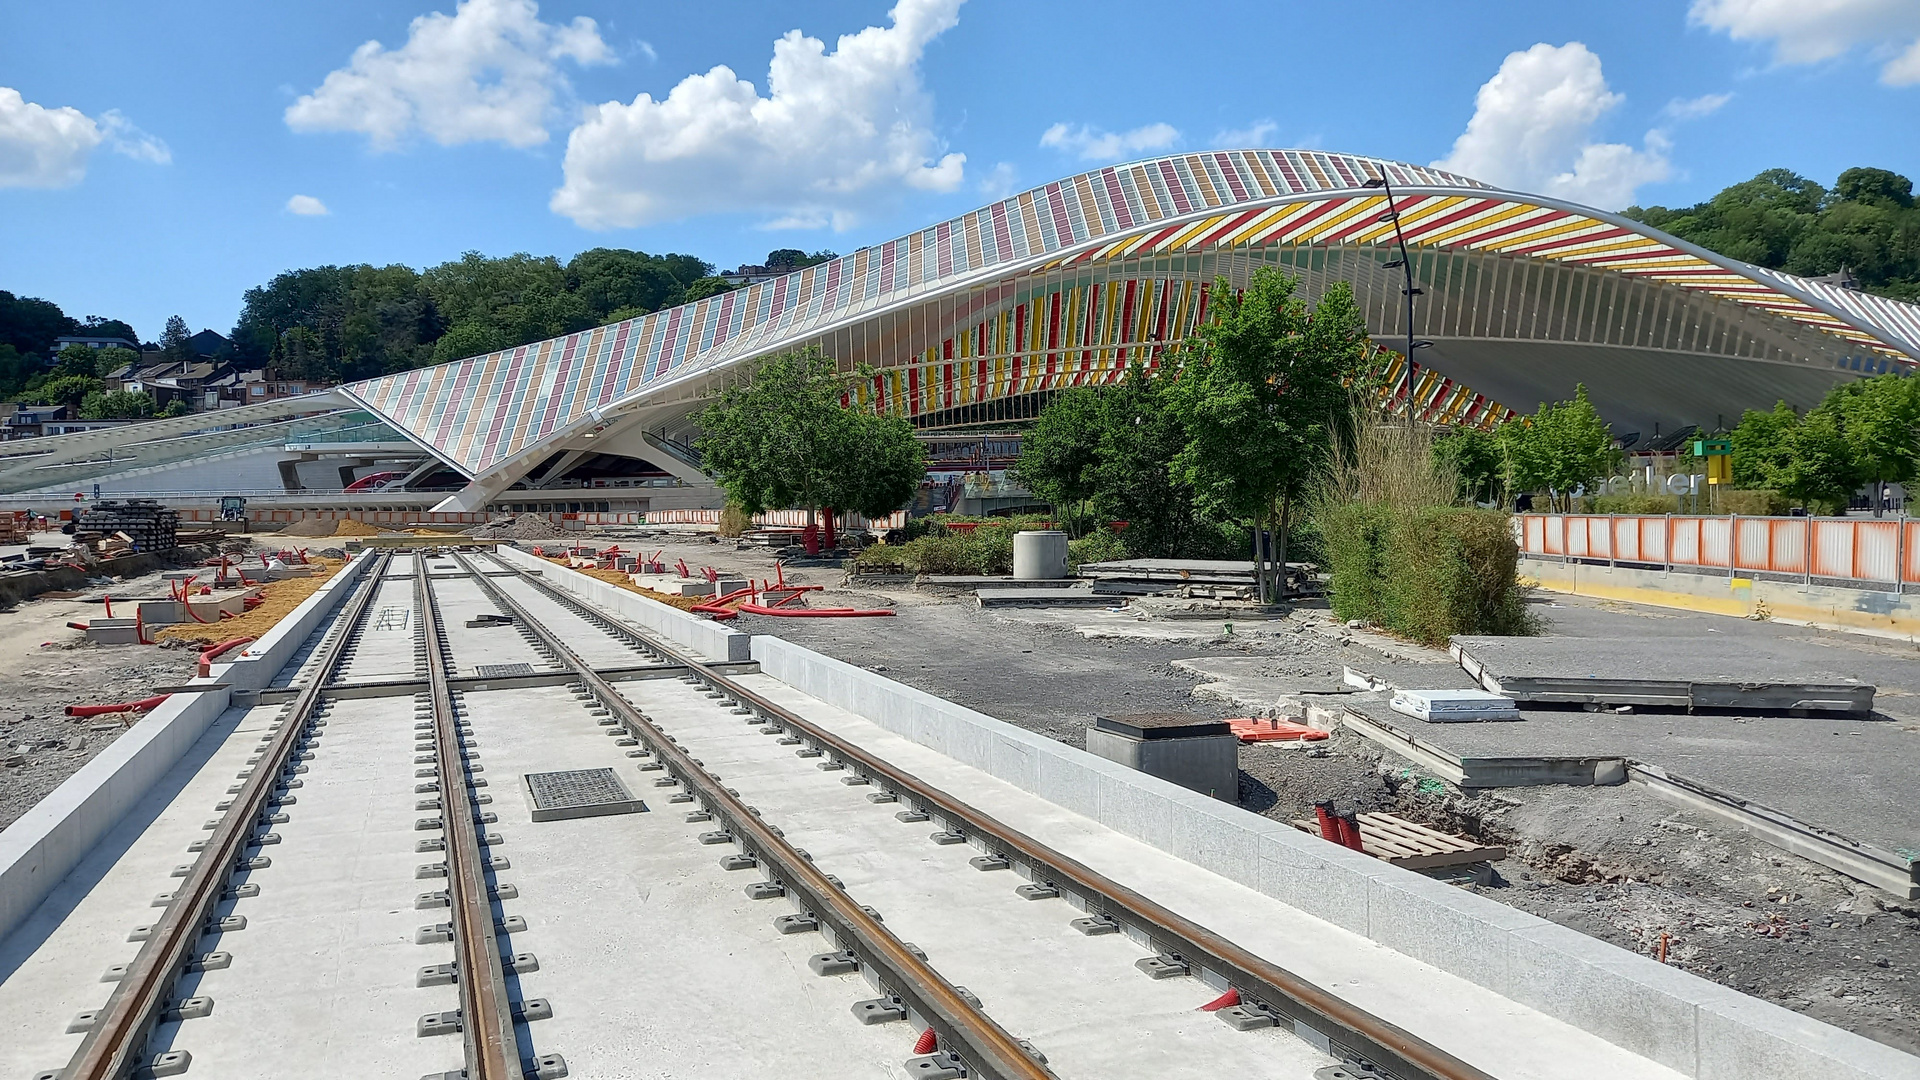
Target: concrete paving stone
x: 1443, y: 926
x: 1742, y: 1037
x: 1323, y: 887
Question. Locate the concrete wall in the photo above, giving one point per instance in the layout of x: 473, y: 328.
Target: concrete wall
x: 48, y: 841
x: 1883, y: 614
x: 1679, y: 1020
x: 710, y: 639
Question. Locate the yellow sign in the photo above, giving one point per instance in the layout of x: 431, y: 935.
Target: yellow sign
x: 1719, y: 469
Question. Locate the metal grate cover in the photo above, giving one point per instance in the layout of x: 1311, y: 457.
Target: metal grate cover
x: 556, y: 796
x: 494, y: 671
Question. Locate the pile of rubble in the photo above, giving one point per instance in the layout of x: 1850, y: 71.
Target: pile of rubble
x: 518, y: 527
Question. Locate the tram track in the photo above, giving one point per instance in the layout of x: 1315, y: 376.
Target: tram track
x: 1268, y: 994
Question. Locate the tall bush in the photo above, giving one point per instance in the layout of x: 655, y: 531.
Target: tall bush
x: 1400, y: 555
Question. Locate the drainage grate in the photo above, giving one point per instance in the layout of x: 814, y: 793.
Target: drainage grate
x: 494, y: 671
x: 579, y: 793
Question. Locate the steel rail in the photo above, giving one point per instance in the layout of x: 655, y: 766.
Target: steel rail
x: 1354, y: 1033
x: 116, y: 1044
x: 486, y: 1012
x: 987, y: 1049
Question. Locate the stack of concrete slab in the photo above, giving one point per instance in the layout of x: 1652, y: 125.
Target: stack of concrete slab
x: 1711, y: 672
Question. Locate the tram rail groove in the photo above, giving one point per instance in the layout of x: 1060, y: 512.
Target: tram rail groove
x: 115, y: 1046
x: 987, y: 1049
x: 486, y: 1013
x: 1269, y: 992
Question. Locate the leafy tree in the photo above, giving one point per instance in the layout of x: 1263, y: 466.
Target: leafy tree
x: 176, y: 407
x: 95, y: 326
x: 69, y: 390
x: 882, y: 465
x: 702, y: 288
x: 1059, y: 455
x: 174, y: 343
x: 783, y: 440
x: 1262, y: 393
x: 795, y: 259
x: 1141, y: 436
x: 1867, y: 224
x: 30, y: 325
x: 77, y: 360
x: 112, y: 358
x: 15, y: 369
x: 1880, y: 423
x: 1563, y: 446
x: 464, y: 340
x: 117, y: 405
x: 1763, y: 446
x: 1819, y: 465
x: 610, y: 280
x: 1474, y: 456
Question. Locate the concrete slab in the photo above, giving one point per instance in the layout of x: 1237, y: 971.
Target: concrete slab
x: 1708, y: 672
x: 1031, y: 597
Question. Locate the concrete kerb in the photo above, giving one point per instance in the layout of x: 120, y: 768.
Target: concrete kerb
x: 708, y: 638
x: 256, y: 665
x: 1686, y: 1023
x: 48, y: 841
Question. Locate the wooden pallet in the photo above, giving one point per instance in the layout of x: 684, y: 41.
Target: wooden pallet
x: 1401, y: 842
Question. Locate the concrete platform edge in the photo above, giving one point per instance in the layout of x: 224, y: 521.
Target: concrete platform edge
x: 709, y: 638
x: 1679, y: 1020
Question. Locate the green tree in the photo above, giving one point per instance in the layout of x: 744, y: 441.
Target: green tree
x: 782, y: 440
x: 1060, y: 453
x: 1562, y: 447
x: 881, y: 468
x: 15, y: 369
x: 1880, y: 422
x: 77, y: 360
x: 1262, y: 393
x: 1141, y: 436
x: 1763, y: 446
x: 117, y: 405
x: 176, y: 407
x: 701, y: 288
x: 30, y: 325
x: 69, y: 390
x: 464, y: 340
x: 1818, y: 466
x: 1474, y: 456
x: 112, y: 358
x: 174, y: 343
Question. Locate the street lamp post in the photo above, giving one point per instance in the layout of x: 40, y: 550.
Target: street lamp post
x: 1406, y: 265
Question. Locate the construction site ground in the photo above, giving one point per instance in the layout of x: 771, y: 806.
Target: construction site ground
x: 1614, y: 862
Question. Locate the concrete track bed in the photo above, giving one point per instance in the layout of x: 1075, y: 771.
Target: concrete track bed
x: 1713, y: 672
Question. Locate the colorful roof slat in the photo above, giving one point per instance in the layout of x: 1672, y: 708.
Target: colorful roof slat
x: 479, y: 412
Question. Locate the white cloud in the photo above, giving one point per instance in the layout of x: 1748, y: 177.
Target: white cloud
x: 1532, y: 130
x: 1810, y: 31
x: 836, y: 132
x: 307, y: 206
x: 125, y: 139
x: 999, y: 181
x: 50, y: 148
x: 1696, y: 108
x: 1096, y: 144
x: 1251, y: 136
x: 489, y: 71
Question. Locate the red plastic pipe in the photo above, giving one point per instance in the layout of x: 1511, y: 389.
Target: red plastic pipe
x: 815, y: 613
x: 100, y: 710
x: 1329, y: 825
x: 213, y: 652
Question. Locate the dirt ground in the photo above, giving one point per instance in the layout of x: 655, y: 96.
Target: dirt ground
x: 45, y: 666
x: 1616, y: 862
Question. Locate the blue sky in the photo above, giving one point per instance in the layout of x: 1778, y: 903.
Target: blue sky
x: 149, y: 152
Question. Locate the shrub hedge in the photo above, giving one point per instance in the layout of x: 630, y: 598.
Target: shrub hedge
x: 1426, y: 574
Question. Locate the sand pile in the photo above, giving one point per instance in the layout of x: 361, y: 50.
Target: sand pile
x: 277, y: 599
x: 350, y: 527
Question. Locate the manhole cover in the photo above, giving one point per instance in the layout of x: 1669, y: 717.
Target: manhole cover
x: 494, y: 671
x: 579, y: 793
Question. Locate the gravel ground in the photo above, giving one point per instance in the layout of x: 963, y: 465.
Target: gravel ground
x: 46, y: 666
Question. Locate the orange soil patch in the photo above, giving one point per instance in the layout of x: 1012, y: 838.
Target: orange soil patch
x: 615, y: 577
x: 277, y: 599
